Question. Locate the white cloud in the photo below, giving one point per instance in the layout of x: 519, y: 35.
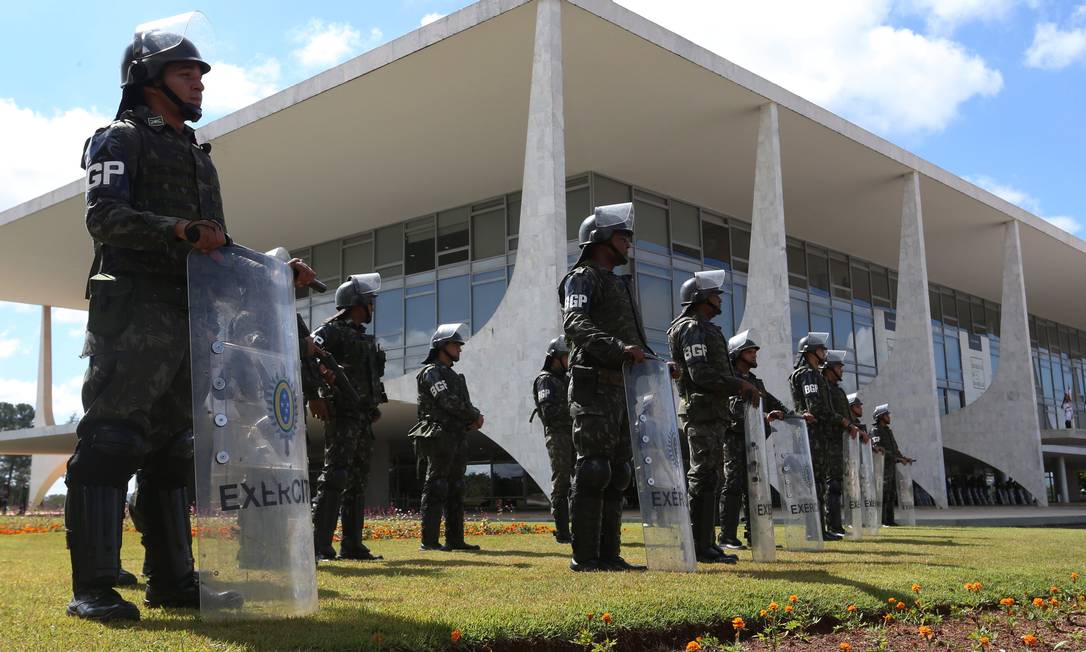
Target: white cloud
x: 1056, y: 47
x: 323, y: 45
x: 19, y: 308
x: 850, y: 59
x: 229, y: 87
x: 429, y: 18
x: 9, y: 346
x: 69, y: 316
x: 42, y: 149
x: 943, y: 16
x: 66, y: 395
x: 1023, y: 199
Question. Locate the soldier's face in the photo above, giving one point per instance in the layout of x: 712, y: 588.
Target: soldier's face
x: 750, y: 356
x: 185, y: 79
x: 621, y: 242
x: 362, y: 314
x: 857, y: 410
x: 452, y: 349
x: 820, y: 353
x: 886, y: 418
x: 714, y: 303
x: 564, y: 360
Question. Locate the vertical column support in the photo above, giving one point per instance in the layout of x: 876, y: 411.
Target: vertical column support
x: 43, y: 412
x: 1061, y: 479
x: 907, y: 379
x: 1001, y: 428
x: 767, y: 307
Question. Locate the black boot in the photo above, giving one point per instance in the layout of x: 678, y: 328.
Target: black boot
x: 611, y: 524
x: 702, y: 528
x: 833, y: 509
x: 124, y: 578
x: 729, y: 522
x: 561, y: 521
x: 454, y: 520
x: 354, y: 521
x: 585, y: 516
x: 93, y: 518
x: 167, y: 540
x: 431, y: 508
x: 325, y: 516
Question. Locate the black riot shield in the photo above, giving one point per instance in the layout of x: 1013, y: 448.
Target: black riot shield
x: 759, y: 497
x: 253, y: 529
x: 658, y: 466
x: 799, y: 498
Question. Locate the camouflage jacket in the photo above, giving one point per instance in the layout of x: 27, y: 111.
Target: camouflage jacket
x: 360, y: 356
x: 811, y: 393
x: 142, y: 178
x: 770, y: 403
x: 883, y: 437
x: 840, y: 405
x: 443, y: 399
x: 707, y: 378
x: 550, y: 391
x: 601, y: 317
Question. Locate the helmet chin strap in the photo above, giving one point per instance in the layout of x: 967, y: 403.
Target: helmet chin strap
x: 189, y: 112
x: 622, y: 258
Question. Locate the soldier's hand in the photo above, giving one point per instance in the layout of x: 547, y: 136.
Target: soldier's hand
x: 635, y: 353
x: 204, y: 235
x: 853, y: 431
x: 774, y: 415
x: 808, y: 417
x: 750, y: 393
x: 878, y: 449
x: 328, y: 375
x: 319, y: 408
x: 303, y: 274
x: 674, y: 370
x: 863, y: 437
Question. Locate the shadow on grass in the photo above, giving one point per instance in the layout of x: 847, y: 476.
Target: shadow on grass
x: 820, y: 577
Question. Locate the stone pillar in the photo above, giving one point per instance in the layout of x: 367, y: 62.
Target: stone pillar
x: 767, y: 279
x: 528, y: 317
x: 1001, y: 428
x: 1061, y: 479
x: 906, y: 379
x: 43, y: 411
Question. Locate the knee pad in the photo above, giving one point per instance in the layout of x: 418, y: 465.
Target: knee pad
x: 439, y: 488
x: 621, y: 474
x: 593, y: 474
x: 108, y: 453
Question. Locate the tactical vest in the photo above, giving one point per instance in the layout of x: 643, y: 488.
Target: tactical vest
x: 361, y: 357
x: 429, y: 410
x: 557, y: 388
x: 696, y: 403
x: 613, y: 310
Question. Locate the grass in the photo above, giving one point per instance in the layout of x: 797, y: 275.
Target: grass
x: 518, y: 589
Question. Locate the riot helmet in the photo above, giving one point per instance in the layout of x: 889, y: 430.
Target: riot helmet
x: 358, y: 290
x: 155, y: 44
x: 555, y: 349
x: 702, y: 286
x: 445, y: 334
x: 881, y: 411
x: 741, y: 342
x: 854, y: 399
x: 811, y: 342
x: 833, y: 357
x: 604, y: 222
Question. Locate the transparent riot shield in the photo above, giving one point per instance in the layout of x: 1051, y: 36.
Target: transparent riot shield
x: 658, y: 465
x: 853, y: 498
x: 759, y: 497
x: 871, y: 514
x: 799, y: 497
x: 873, y: 523
x: 253, y: 531
x: 906, y: 507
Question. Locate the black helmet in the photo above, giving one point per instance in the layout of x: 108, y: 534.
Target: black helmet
x: 741, y: 342
x: 833, y: 356
x: 605, y: 221
x: 444, y: 334
x: 813, y: 341
x: 854, y: 399
x: 881, y: 411
x: 703, y: 285
x: 358, y: 290
x: 154, y: 45
x: 556, y: 348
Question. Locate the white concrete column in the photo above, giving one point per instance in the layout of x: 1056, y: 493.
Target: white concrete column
x: 528, y: 317
x: 1061, y: 479
x: 43, y: 411
x: 907, y: 379
x: 767, y: 278
x: 1001, y: 428
x: 45, y: 470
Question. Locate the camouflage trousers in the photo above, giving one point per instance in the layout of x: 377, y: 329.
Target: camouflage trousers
x: 889, y: 489
x: 560, y: 450
x: 348, y: 449
x: 733, y: 469
x: 706, y: 440
x: 601, y: 426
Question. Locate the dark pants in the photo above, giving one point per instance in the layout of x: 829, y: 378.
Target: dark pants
x: 562, y: 457
x: 446, y: 458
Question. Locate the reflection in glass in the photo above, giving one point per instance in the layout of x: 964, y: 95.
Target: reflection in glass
x: 421, y: 318
x: 454, y: 300
x: 842, y: 332
x: 358, y: 259
x: 488, y: 235
x: 577, y: 209
x: 651, y: 225
x: 654, y: 294
x: 865, y: 340
x: 800, y: 325
x: 388, y: 318
x: 485, y: 298
x: 419, y: 250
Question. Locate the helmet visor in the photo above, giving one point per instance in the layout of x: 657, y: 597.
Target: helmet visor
x: 836, y: 356
x: 743, y: 340
x: 450, y: 333
x: 367, y: 283
x: 711, y: 280
x: 815, y: 340
x: 163, y: 34
x: 619, y: 217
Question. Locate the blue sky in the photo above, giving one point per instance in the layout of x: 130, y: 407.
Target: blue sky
x: 992, y: 90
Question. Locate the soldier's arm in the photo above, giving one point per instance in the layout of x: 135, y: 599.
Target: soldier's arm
x: 549, y: 394
x: 772, y: 403
x: 819, y: 403
x: 695, y: 354
x: 111, y: 160
x: 439, y: 388
x: 582, y: 331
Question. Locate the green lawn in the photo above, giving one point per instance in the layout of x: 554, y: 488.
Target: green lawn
x: 519, y: 588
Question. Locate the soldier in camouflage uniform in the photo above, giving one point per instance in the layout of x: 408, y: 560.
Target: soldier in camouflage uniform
x: 349, y: 438
x: 743, y: 352
x: 706, y: 383
x: 811, y: 396
x: 446, y: 416
x: 550, y: 391
x: 833, y: 370
x: 152, y: 197
x: 882, y: 439
x: 603, y: 326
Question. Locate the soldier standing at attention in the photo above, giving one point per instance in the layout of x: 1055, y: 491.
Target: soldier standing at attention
x: 706, y: 383
x: 603, y: 327
x: 743, y: 352
x: 550, y: 390
x: 882, y: 438
x: 446, y: 416
x: 833, y: 370
x: 349, y: 436
x: 152, y: 197
x: 811, y: 396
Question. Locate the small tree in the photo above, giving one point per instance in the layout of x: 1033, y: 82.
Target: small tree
x: 14, y: 469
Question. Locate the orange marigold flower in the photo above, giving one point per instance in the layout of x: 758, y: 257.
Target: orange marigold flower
x: 1053, y: 601
x: 773, y: 606
x: 891, y: 600
x: 1038, y: 602
x: 795, y: 598
x: 851, y: 608
x: 887, y: 617
x: 1029, y: 640
x: 900, y: 606
x: 787, y: 608
x: 693, y: 646
x: 591, y: 615
x: 1007, y: 602
x: 844, y: 646
x: 916, y: 588
x: 1053, y: 589
x: 1074, y: 577
x: 925, y: 632
x: 606, y: 617
x: 738, y: 623
x: 763, y: 613
x: 456, y: 635
x: 984, y: 641
x: 377, y: 638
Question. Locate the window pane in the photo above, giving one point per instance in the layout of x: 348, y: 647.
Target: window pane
x: 880, y: 287
x: 484, y: 301
x: 454, y: 300
x: 609, y: 192
x: 451, y: 257
x: 861, y: 285
x: 654, y: 294
x: 678, y: 277
x: 820, y: 320
x: 326, y: 260
x: 685, y: 239
x: 487, y: 235
x: 740, y: 244
x: 650, y: 224
x: 739, y: 301
x: 388, y: 318
x: 512, y: 213
x: 940, y: 355
x: 953, y: 355
x: 419, y: 251
x: 358, y: 259
x: 421, y: 318
x: 389, y: 245
x: 842, y: 333
x: 717, y: 245
x: 839, y: 273
x: 577, y: 209
x: 800, y: 324
x: 865, y: 340
x: 452, y: 230
x: 797, y: 265
x: 817, y: 272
